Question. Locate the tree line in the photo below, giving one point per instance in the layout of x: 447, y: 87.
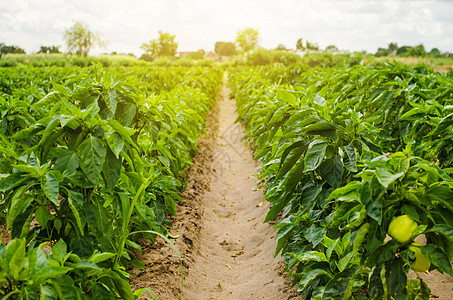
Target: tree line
x: 405, y: 51
x: 79, y: 40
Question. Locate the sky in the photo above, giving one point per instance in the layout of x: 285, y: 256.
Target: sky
x: 354, y: 25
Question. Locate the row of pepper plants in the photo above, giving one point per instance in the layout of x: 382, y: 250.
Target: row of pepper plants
x: 357, y: 163
x: 92, y: 160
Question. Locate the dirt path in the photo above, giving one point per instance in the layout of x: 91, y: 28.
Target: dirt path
x: 234, y: 258
x: 227, y: 251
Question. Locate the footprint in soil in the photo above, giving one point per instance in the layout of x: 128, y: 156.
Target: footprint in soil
x: 231, y: 246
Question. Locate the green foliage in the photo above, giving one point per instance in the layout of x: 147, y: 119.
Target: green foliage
x: 225, y: 48
x: 409, y: 51
x: 30, y: 273
x: 165, y: 45
x: 247, y: 39
x: 5, y: 49
x: 344, y: 151
x: 90, y: 157
x: 49, y: 49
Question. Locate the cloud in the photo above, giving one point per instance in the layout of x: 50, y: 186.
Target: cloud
x: 349, y: 24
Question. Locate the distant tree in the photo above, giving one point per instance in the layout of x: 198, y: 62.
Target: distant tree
x: 247, y: 39
x: 197, y: 55
x: 392, y: 47
x: 419, y: 50
x: 382, y: 52
x: 300, y: 45
x: 165, y: 45
x: 312, y: 46
x: 49, y: 49
x: 332, y: 48
x: 11, y: 49
x: 225, y: 48
x: 151, y: 48
x: 80, y: 39
x: 280, y: 47
x: 435, y: 53
x: 404, y: 51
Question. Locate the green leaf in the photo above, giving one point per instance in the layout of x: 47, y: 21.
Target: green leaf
x: 310, y: 256
x: 376, y: 288
x: 418, y: 290
x: 15, y: 257
x: 49, y: 272
x: 111, y: 170
x: 50, y: 186
x: 110, y: 100
x: 11, y: 181
x: 115, y: 125
x: 37, y: 259
x: 315, y: 234
x: 437, y: 258
x: 75, y: 201
x: 315, y: 154
x: 308, y: 278
x: 59, y: 251
x: 343, y: 262
x: 360, y: 237
x: 290, y: 156
x: 287, y: 97
x: 350, y: 158
x: 19, y: 203
x: 92, y: 156
x: 340, y: 286
x: 443, y: 124
x: 48, y: 292
x: 115, y: 142
x: 100, y: 257
x: 332, y: 171
x: 68, y: 160
x: 385, y: 177
x: 352, y: 186
x: 397, y: 279
x: 86, y: 264
x: 122, y: 285
x: 445, y: 230
x: 99, y: 292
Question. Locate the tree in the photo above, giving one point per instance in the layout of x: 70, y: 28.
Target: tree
x: 419, y: 50
x: 225, y: 48
x: 300, y: 45
x: 165, y: 45
x: 393, y: 46
x: 11, y: 49
x: 80, y: 39
x: 247, y: 39
x: 435, y: 53
x: 49, y: 49
x: 312, y: 46
x: 331, y: 48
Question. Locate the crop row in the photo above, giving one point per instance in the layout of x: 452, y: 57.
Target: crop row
x: 91, y: 161
x: 344, y: 151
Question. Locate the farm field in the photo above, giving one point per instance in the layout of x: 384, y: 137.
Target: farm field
x: 185, y: 182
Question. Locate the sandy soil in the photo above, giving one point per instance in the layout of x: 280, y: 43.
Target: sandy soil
x: 226, y: 248
x: 234, y: 259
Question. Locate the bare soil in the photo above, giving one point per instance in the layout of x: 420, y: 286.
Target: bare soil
x: 228, y: 253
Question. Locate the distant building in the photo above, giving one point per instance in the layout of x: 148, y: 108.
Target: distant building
x: 212, y: 55
x: 184, y: 53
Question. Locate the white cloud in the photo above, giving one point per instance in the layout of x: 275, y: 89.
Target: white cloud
x: 349, y: 24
